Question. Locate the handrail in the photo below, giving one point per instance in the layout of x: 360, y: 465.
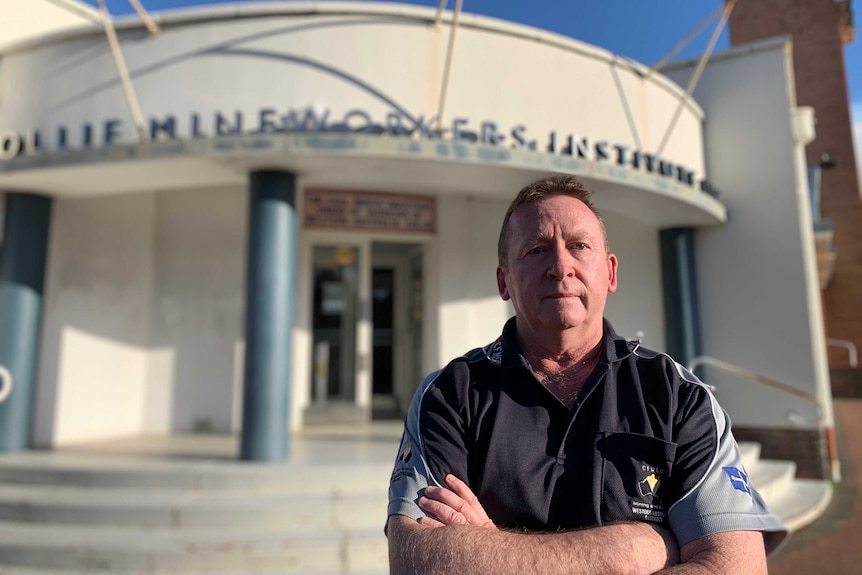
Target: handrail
x: 754, y: 376
x: 831, y: 444
x: 5, y: 383
x: 849, y: 346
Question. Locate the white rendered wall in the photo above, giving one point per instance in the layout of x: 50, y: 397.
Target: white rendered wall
x: 197, y: 310
x: 638, y: 303
x: 92, y: 374
x: 470, y: 312
x: 759, y: 301
x: 144, y: 316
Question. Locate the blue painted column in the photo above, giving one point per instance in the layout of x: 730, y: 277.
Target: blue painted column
x: 682, y: 319
x: 22, y: 277
x: 270, y: 289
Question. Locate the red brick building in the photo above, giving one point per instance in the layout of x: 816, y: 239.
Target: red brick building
x: 820, y: 29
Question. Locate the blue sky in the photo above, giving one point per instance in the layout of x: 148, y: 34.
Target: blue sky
x: 642, y: 31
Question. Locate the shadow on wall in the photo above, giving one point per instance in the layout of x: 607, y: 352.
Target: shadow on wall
x: 143, y: 312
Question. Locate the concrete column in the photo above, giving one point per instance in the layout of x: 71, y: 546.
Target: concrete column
x: 270, y: 289
x: 682, y: 318
x: 22, y: 278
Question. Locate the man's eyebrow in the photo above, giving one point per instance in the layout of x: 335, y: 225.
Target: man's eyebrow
x: 536, y: 239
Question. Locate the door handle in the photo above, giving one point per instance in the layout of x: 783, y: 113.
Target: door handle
x: 5, y: 383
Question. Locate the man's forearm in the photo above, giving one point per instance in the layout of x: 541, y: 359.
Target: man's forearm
x: 728, y: 553
x: 621, y: 549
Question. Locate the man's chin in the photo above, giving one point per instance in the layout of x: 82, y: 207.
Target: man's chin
x: 566, y: 323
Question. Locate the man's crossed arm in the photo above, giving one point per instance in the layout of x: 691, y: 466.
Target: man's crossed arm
x: 463, y: 540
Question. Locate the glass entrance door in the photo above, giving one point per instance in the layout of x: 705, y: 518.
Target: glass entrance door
x: 366, y: 327
x: 396, y: 294
x: 334, y: 318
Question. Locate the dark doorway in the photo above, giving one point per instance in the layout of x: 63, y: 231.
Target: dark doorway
x: 396, y: 318
x: 383, y: 311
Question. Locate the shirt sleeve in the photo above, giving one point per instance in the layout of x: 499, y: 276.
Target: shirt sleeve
x: 433, y: 443
x: 714, y: 493
x: 411, y: 474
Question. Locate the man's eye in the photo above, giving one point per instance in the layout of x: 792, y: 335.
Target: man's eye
x: 579, y: 246
x: 536, y: 250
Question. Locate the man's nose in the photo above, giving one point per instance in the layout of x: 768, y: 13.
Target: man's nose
x: 561, y: 264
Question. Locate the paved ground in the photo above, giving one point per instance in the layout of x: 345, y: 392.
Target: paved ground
x: 833, y: 544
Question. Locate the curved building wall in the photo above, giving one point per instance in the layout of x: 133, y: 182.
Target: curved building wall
x: 379, y: 59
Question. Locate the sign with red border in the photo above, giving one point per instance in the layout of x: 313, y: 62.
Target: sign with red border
x: 369, y: 211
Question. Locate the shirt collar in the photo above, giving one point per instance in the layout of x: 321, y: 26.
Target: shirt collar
x: 617, y: 348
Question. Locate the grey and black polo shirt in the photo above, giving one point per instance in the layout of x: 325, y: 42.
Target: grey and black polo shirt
x: 647, y: 441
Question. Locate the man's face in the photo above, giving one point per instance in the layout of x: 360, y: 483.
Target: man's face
x: 558, y: 273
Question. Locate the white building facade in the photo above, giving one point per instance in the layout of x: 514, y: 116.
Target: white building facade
x: 293, y: 235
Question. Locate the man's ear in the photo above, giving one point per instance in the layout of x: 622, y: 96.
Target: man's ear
x: 501, y: 284
x: 612, y: 273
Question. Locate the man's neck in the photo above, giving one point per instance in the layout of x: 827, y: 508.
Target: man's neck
x: 563, y: 366
x: 568, y: 351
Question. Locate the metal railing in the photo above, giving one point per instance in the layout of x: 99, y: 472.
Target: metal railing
x: 5, y: 383
x: 754, y: 376
x: 794, y: 417
x: 849, y: 346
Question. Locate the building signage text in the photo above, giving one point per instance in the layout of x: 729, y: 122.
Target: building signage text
x: 369, y: 211
x: 311, y: 119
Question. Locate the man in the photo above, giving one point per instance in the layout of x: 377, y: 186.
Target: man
x: 561, y: 447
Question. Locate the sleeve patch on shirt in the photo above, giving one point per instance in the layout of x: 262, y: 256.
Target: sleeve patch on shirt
x: 406, y: 453
x: 738, y: 478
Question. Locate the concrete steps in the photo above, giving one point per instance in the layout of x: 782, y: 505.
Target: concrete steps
x: 63, y: 513
x: 67, y: 513
x: 213, y: 550
x: 190, y: 509
x: 105, y: 471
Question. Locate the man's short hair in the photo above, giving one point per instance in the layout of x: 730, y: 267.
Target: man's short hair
x: 559, y: 185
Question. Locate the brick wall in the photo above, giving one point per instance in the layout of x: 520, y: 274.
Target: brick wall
x: 808, y: 448
x: 821, y: 83
x: 846, y: 382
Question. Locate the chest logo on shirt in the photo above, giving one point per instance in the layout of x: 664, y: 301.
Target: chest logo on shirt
x: 649, y: 485
x: 650, y: 509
